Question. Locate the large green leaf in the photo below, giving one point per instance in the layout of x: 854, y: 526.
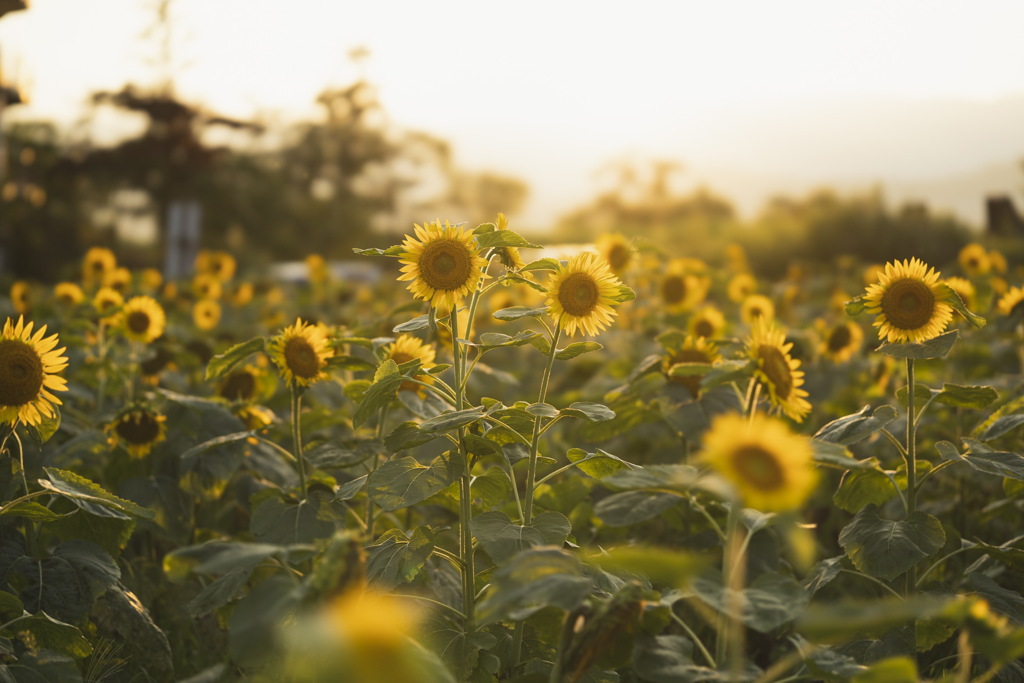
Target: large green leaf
x: 503, y: 539
x: 669, y: 659
x: 1002, y: 425
x: 396, y: 558
x: 960, y: 396
x: 222, y: 364
x: 886, y: 548
x: 220, y: 557
x: 594, y: 412
x: 577, y: 349
x: 452, y: 420
x: 769, y: 601
x: 219, y: 592
x: 407, y: 435
x: 889, y: 670
x: 857, y: 618
x: 532, y: 580
x: 517, y: 312
x: 666, y: 566
x: 51, y: 585
x: 857, y: 426
x: 388, y: 378
x: 632, y: 507
x: 90, y: 496
x: 459, y: 650
x: 598, y: 464
x: 53, y: 634
x: 403, y: 482
x: 96, y: 569
x: 936, y: 347
x: 863, y: 487
x: 981, y: 458
x: 256, y: 620
x: 278, y: 522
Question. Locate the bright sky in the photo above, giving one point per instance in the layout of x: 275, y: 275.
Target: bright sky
x: 551, y: 90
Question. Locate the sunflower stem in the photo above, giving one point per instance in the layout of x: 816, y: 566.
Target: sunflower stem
x: 730, y: 643
x: 297, y: 438
x: 911, y: 456
x: 465, y: 481
x: 371, y: 509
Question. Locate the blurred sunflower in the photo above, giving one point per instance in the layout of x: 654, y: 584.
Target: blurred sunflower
x: 206, y: 314
x: 207, y: 286
x: 680, y: 290
x: 407, y: 348
x: 254, y: 417
x: 708, y: 322
x: 21, y: 297
x: 692, y: 350
x: 118, y: 279
x: 964, y: 289
x: 316, y: 268
x: 974, y: 260
x: 581, y: 294
x: 740, y: 286
x: 138, y: 429
x: 908, y: 302
x: 735, y: 258
x: 1010, y: 302
x: 873, y: 273
x: 96, y: 263
x: 241, y: 384
x: 998, y: 261
x: 301, y: 352
x: 616, y: 251
x: 107, y: 301
x: 757, y: 307
x: 509, y: 256
x: 222, y: 265
x: 68, y: 294
x: 144, y: 319
x: 841, y: 341
x: 242, y: 294
x: 150, y: 280
x: 442, y: 264
x: 28, y: 366
x: 771, y: 468
x: 776, y: 370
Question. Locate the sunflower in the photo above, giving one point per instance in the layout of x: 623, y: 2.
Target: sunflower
x: 964, y: 289
x: 509, y: 256
x: 21, y: 297
x: 1010, y: 302
x: 909, y: 303
x: 316, y: 267
x: 771, y: 468
x: 150, y: 280
x: 138, y: 429
x: 581, y: 294
x: 119, y: 279
x: 708, y: 322
x: 28, y: 366
x: 254, y: 417
x: 974, y: 260
x: 776, y: 370
x: 222, y: 265
x: 741, y: 286
x: 96, y: 263
x: 757, y: 307
x: 692, y: 350
x: 442, y: 264
x: 242, y: 294
x: 241, y: 384
x: 68, y: 293
x: 615, y: 250
x: 735, y: 257
x: 998, y: 261
x: 680, y: 290
x: 841, y: 341
x: 206, y: 314
x: 143, y: 320
x: 407, y: 348
x: 207, y: 286
x: 873, y: 273
x: 106, y: 301
x: 301, y: 352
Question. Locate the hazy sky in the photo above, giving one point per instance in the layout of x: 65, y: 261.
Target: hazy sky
x: 551, y: 90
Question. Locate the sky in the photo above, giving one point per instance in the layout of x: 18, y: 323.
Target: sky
x: 746, y: 94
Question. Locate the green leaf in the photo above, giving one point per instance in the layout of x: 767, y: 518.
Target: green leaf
x: 95, y: 567
x: 726, y: 371
x: 110, y: 533
x: 858, y: 426
x: 664, y: 566
x: 47, y: 427
x: 421, y: 322
x: 29, y: 509
x: 403, y: 482
x: 577, y: 349
x: 394, y: 250
x: 856, y: 305
x: 885, y: 548
x: 385, y: 385
x: 860, y: 488
x: 218, y: 593
x: 593, y: 412
x: 255, y: 621
x: 50, y: 585
x: 219, y: 557
x: 980, y: 458
x: 406, y: 435
x: 632, y: 507
x: 961, y: 396
x: 532, y: 580
x: 350, y: 489
x: 504, y: 238
x: 519, y: 312
x: 857, y: 618
x: 52, y: 634
x: 653, y: 476
x: 837, y: 456
x: 542, y: 410
x: 328, y: 455
x: 495, y: 340
x: 623, y: 295
x: 223, y: 363
x: 278, y: 522
x: 491, y: 489
x: 396, y: 559
x: 503, y: 539
x: 769, y: 601
x: 452, y: 420
x: 346, y: 362
x: 90, y: 496
x: 936, y: 347
x: 891, y: 670
x: 822, y: 574
x: 541, y: 264
x: 1001, y: 426
x: 950, y: 296
x: 460, y: 651
x: 599, y: 464
x: 215, y: 442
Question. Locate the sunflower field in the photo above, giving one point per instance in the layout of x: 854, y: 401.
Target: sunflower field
x: 503, y: 463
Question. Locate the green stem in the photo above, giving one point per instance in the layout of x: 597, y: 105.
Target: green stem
x: 872, y: 579
x: 911, y: 460
x: 297, y: 439
x: 729, y: 645
x: 693, y: 636
x: 465, y: 492
x: 371, y: 509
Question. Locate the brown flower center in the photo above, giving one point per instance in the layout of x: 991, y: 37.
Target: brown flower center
x: 21, y: 373
x: 239, y: 386
x: 138, y: 322
x: 138, y: 428
x: 704, y: 328
x: 759, y: 467
x: 301, y: 358
x: 774, y: 365
x: 578, y: 294
x: 446, y: 264
x: 673, y: 289
x: 839, y: 338
x: 908, y: 304
x: 618, y: 256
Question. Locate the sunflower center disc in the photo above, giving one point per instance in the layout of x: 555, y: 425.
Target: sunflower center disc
x: 703, y: 328
x: 239, y: 386
x: 908, y: 304
x: 673, y: 290
x: 618, y: 257
x: 776, y: 369
x: 446, y: 265
x: 839, y: 338
x: 578, y: 294
x: 301, y: 358
x: 138, y: 322
x: 21, y: 373
x: 138, y: 428
x: 759, y: 467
